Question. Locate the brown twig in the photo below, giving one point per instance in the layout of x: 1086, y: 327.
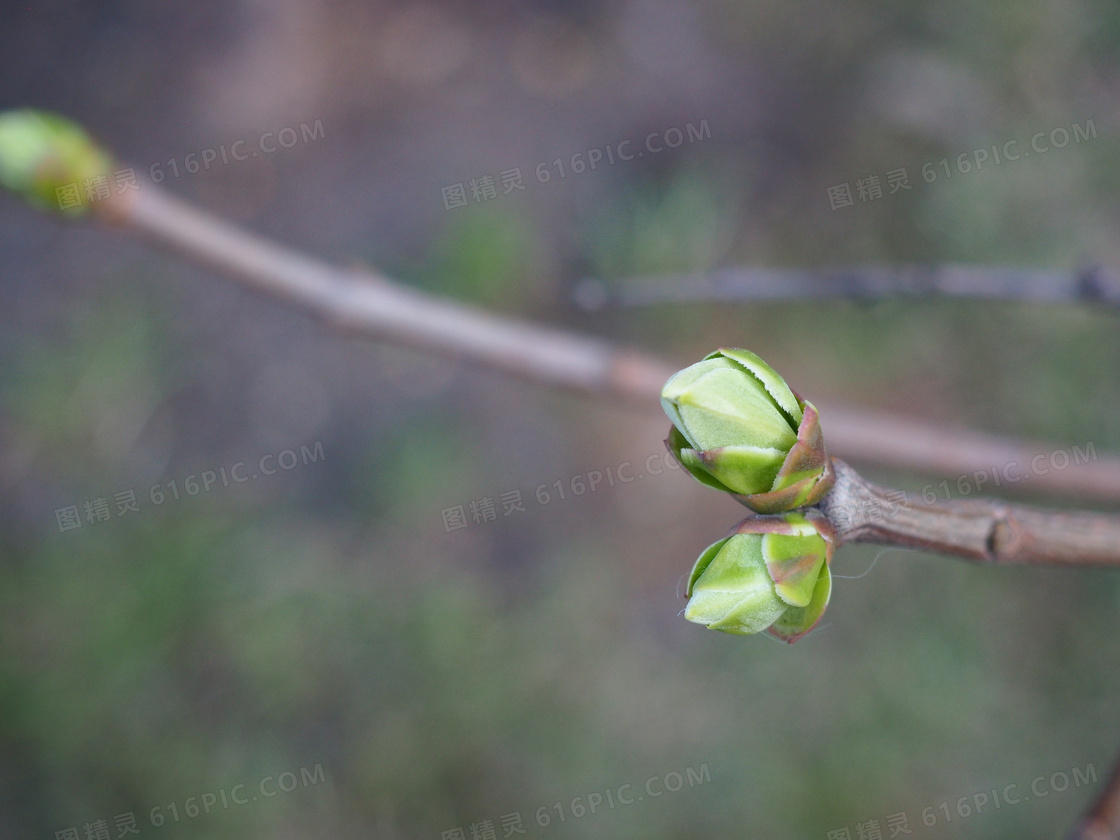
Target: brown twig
x: 366, y: 302
x: 369, y: 303
x: 985, y: 530
x: 1102, y: 820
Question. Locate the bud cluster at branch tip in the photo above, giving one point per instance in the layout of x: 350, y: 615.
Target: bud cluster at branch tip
x: 739, y: 428
x: 771, y: 573
x: 41, y: 152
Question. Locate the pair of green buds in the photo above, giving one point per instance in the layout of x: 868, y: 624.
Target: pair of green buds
x: 739, y: 428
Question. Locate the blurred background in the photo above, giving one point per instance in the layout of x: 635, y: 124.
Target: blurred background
x: 402, y: 629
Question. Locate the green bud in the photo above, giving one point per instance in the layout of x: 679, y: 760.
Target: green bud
x: 739, y: 428
x: 772, y: 574
x: 45, y: 158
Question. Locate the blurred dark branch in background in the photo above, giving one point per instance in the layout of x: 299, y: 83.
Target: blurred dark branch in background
x: 367, y: 303
x: 1102, y: 819
x: 1093, y: 284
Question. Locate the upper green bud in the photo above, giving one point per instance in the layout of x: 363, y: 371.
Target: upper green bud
x: 42, y: 154
x: 772, y: 574
x: 738, y: 427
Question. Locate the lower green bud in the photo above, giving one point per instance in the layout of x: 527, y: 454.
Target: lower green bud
x: 771, y: 573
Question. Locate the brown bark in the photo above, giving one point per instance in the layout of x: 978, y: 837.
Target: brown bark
x: 985, y: 530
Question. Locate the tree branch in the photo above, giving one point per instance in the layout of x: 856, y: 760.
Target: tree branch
x: 1093, y: 284
x: 985, y: 530
x: 368, y: 303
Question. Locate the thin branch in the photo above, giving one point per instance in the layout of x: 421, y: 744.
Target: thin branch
x: 363, y: 301
x: 368, y: 303
x: 1093, y: 284
x: 985, y: 530
x: 1102, y: 819
x: 962, y: 454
